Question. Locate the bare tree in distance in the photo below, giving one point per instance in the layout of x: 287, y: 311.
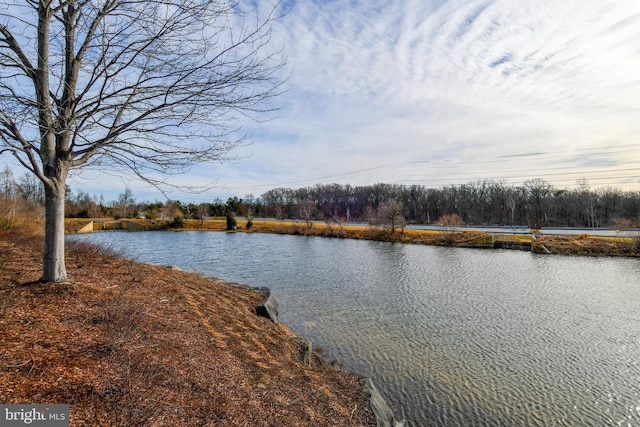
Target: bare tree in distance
x: 170, y: 210
x: 8, y: 190
x: 391, y: 214
x: 306, y: 210
x: 202, y: 210
x: 631, y: 228
x: 450, y: 226
x: 31, y: 189
x: 148, y: 87
x: 125, y: 199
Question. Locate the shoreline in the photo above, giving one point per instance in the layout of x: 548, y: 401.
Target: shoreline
x: 125, y: 336
x: 583, y: 245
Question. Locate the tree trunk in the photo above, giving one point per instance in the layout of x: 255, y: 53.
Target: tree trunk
x: 54, y: 269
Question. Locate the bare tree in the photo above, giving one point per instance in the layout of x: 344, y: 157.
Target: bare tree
x: 171, y: 210
x: 31, y: 189
x: 306, y: 210
x: 125, y: 199
x: 7, y: 184
x: 202, y: 210
x: 538, y: 194
x: 450, y: 226
x: 391, y: 214
x: 250, y: 200
x: 588, y: 200
x: 8, y: 199
x: 152, y: 87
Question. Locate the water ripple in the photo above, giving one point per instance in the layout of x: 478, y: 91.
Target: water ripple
x: 452, y: 336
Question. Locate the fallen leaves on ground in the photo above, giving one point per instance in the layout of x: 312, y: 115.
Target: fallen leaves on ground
x: 128, y: 344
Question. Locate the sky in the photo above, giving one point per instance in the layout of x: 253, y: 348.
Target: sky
x: 436, y: 93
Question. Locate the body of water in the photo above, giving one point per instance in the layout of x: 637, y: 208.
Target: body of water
x: 451, y: 336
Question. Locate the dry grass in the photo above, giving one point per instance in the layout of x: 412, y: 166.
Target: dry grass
x: 576, y: 245
x: 327, y: 229
x: 364, y: 232
x: 588, y: 245
x: 72, y: 225
x: 218, y: 224
x: 130, y: 344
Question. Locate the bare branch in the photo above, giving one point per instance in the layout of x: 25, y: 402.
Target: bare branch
x: 168, y: 81
x: 149, y: 87
x: 20, y: 60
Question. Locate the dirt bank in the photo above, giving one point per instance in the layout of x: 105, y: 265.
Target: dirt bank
x: 133, y: 344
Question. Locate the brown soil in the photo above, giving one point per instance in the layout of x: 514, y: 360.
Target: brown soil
x: 130, y: 344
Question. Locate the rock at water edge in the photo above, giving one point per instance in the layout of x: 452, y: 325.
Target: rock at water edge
x: 270, y: 306
x: 384, y: 415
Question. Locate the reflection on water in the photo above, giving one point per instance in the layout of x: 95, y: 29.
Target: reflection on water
x: 451, y: 336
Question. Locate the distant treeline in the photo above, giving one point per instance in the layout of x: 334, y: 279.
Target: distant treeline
x: 536, y: 203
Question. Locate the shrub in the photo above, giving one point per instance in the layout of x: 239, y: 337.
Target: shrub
x: 231, y: 221
x: 632, y: 229
x: 178, y: 222
x: 450, y: 224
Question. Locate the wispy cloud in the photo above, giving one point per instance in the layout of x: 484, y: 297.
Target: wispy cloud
x: 379, y: 82
x: 437, y: 92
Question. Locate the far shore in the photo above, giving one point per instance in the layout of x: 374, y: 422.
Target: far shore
x: 533, y: 240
